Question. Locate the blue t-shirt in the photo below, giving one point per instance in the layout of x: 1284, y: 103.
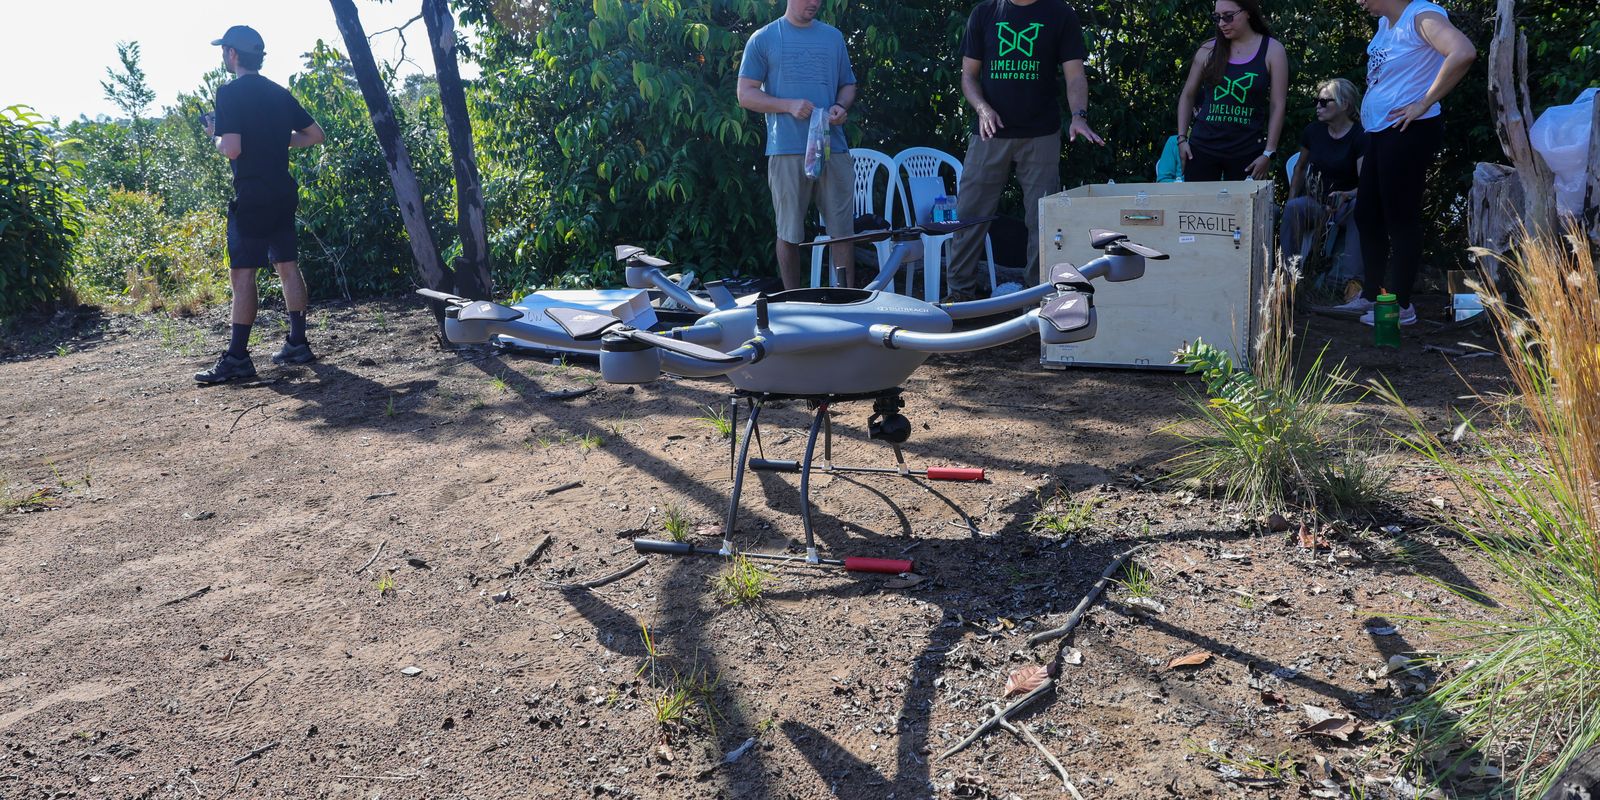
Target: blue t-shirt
x: 794, y: 62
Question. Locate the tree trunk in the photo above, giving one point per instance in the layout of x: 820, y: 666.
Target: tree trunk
x: 1508, y: 98
x: 430, y: 267
x: 1591, y: 194
x: 472, y: 271
x: 1492, y: 209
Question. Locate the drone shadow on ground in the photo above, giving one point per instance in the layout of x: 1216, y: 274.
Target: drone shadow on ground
x: 967, y: 562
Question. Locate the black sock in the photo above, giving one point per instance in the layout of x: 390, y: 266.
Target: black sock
x: 239, y: 345
x: 297, y: 327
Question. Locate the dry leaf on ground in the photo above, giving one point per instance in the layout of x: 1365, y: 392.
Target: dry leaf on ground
x: 904, y: 581
x: 1026, y: 679
x: 1195, y: 659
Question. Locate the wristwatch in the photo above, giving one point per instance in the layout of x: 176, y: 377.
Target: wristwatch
x: 1081, y: 113
x: 1268, y: 153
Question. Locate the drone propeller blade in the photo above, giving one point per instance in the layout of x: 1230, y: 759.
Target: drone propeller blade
x: 863, y: 236
x: 628, y: 252
x: 679, y: 346
x: 1100, y: 238
x: 1143, y: 250
x: 443, y: 297
x: 580, y: 324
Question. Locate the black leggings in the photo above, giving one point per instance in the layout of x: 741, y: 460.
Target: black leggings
x: 1389, y: 205
x: 1211, y: 167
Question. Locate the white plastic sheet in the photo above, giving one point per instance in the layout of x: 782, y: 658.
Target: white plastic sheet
x: 1561, y: 135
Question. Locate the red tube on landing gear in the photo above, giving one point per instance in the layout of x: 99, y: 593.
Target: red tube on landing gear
x: 955, y: 474
x: 886, y: 566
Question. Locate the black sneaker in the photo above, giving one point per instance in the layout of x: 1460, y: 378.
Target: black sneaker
x: 228, y: 368
x: 291, y: 353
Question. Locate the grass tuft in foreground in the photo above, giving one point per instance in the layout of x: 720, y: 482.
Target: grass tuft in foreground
x: 741, y: 582
x: 1520, y: 691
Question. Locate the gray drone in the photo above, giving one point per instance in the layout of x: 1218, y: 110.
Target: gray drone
x: 821, y: 345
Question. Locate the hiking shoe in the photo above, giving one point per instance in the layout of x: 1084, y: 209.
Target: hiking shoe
x: 1354, y: 308
x: 1408, y: 316
x: 227, y: 368
x: 291, y: 353
x: 958, y: 296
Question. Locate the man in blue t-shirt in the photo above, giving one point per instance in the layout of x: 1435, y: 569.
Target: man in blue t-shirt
x: 1009, y: 56
x: 255, y: 124
x: 793, y: 67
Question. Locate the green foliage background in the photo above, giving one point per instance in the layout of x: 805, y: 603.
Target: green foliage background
x: 605, y: 121
x: 40, y: 216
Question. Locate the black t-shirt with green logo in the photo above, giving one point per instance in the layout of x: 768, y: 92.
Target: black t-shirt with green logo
x: 1231, y: 120
x: 1022, y: 48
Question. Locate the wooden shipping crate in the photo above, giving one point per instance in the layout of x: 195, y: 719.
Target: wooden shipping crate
x: 1220, y: 237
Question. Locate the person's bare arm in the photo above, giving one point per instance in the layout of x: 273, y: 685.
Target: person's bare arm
x: 752, y: 98
x: 308, y: 137
x: 1186, y: 100
x: 840, y: 110
x: 972, y: 89
x: 1078, y: 100
x: 1458, y: 52
x: 1278, y: 69
x: 230, y: 145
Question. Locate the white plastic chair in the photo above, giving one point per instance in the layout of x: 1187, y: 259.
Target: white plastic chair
x: 868, y: 163
x: 922, y: 162
x: 1289, y: 165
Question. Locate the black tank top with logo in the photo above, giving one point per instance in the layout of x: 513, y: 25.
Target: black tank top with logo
x: 1232, y: 118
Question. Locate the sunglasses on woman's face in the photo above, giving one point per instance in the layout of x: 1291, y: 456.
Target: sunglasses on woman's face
x: 1325, y: 101
x: 1226, y: 16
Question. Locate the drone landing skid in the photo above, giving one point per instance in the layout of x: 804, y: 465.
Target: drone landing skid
x: 885, y: 423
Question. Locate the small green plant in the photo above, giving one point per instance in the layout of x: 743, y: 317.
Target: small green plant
x: 1061, y: 516
x: 381, y: 320
x: 741, y: 582
x: 1137, y: 580
x: 590, y: 441
x: 389, y: 410
x: 499, y: 383
x: 385, y: 584
x: 1352, y: 482
x: 1281, y: 767
x: 676, y: 523
x: 61, y: 350
x: 717, y: 418
x: 673, y: 706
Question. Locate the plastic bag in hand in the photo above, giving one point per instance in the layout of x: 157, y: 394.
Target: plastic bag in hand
x: 817, y: 144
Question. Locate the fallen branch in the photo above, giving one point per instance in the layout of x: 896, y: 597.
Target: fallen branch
x: 375, y: 554
x: 566, y: 394
x: 538, y: 550
x: 1027, y: 733
x: 378, y: 777
x: 603, y: 580
x: 241, y: 416
x: 256, y: 753
x: 563, y: 487
x: 376, y: 495
x: 990, y: 723
x: 1083, y: 605
x: 242, y: 689
x: 236, y: 773
x: 190, y: 596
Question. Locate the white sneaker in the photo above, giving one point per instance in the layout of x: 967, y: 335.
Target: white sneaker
x: 1360, y: 305
x: 1408, y: 316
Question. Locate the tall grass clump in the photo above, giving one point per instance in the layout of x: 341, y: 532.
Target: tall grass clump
x: 1261, y: 434
x: 1524, y: 690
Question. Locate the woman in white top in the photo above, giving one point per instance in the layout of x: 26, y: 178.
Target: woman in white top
x: 1413, y: 61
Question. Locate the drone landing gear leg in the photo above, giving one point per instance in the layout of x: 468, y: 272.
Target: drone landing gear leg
x: 738, y: 479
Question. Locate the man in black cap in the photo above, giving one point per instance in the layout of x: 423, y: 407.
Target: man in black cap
x: 255, y: 124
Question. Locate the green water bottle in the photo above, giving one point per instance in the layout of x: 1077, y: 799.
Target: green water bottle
x: 1386, y: 322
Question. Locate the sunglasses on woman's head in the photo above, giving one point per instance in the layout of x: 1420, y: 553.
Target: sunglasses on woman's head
x: 1226, y: 16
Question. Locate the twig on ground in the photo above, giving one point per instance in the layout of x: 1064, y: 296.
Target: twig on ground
x: 1027, y: 733
x: 985, y: 726
x: 563, y: 487
x: 378, y: 777
x: 567, y: 394
x: 375, y: 554
x: 236, y: 773
x: 256, y: 753
x: 1449, y: 351
x: 376, y: 495
x: 604, y: 579
x: 242, y: 690
x: 241, y: 416
x: 538, y: 550
x: 1083, y: 605
x: 190, y: 596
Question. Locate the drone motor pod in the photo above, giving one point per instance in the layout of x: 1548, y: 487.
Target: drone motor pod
x: 624, y: 360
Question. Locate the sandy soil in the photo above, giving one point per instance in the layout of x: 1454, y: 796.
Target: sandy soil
x: 186, y: 612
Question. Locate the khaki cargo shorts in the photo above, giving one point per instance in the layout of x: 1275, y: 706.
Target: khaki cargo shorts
x: 792, y: 192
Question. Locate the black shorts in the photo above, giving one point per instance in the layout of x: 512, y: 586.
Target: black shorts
x: 260, y: 236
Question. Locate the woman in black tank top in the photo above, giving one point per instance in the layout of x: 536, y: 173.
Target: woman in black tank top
x: 1231, y: 112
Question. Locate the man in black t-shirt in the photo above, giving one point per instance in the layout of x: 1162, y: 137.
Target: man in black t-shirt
x: 1009, y: 56
x: 255, y: 124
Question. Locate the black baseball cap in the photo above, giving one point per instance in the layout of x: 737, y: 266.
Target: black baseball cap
x: 242, y: 38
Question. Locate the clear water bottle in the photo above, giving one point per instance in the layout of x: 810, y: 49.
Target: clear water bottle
x: 950, y: 210
x: 941, y: 210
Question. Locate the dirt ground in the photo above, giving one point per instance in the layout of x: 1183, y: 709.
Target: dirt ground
x: 189, y: 609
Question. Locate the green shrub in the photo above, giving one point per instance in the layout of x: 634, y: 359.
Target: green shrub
x: 134, y: 255
x: 40, y: 217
